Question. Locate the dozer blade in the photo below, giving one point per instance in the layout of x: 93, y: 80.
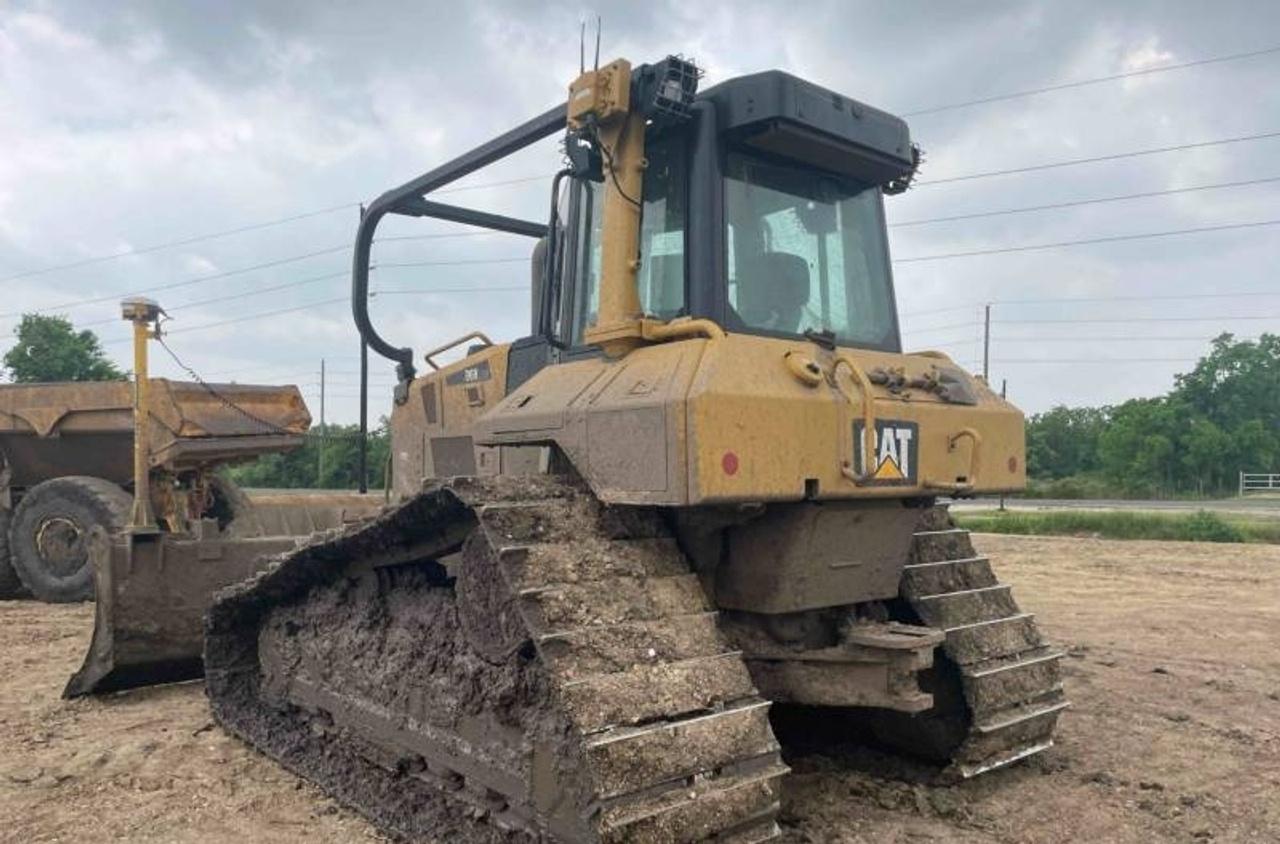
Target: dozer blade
x: 507, y: 651
x: 152, y: 591
x: 153, y: 588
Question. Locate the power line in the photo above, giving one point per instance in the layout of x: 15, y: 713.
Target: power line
x: 459, y: 188
x: 950, y: 327
x: 946, y: 310
x: 1062, y: 86
x: 308, y: 306
x: 246, y: 318
x: 399, y: 266
x: 424, y: 292
x: 1126, y: 320
x: 1095, y: 159
x: 260, y: 315
x: 1064, y: 243
x: 1076, y: 339
x: 1070, y: 299
x: 1164, y: 297
x: 290, y: 259
x: 185, y: 283
x: 230, y: 297
x: 1079, y: 202
x: 143, y: 250
x: 187, y: 241
x: 1108, y: 361
x: 1128, y: 339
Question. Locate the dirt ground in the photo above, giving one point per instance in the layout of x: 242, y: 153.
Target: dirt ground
x: 1173, y: 669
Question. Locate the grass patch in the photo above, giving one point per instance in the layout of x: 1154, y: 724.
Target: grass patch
x: 1201, y: 526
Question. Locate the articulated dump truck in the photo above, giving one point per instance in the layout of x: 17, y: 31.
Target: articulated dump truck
x: 67, y: 465
x: 686, y: 527
x: 71, y: 460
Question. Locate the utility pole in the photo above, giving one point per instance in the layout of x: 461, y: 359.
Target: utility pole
x: 320, y: 448
x: 1004, y: 386
x: 986, y: 344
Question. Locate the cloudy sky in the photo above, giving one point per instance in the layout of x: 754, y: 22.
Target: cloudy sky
x: 133, y: 125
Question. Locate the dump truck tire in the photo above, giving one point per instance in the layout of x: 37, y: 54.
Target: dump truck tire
x: 11, y: 587
x: 49, y: 530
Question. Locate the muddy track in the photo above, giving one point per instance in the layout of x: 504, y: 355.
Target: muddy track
x: 392, y: 665
x: 1011, y: 680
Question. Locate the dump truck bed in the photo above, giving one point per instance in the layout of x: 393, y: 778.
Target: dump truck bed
x: 53, y: 430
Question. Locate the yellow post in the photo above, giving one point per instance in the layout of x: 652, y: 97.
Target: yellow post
x: 617, y: 328
x: 142, y: 313
x: 601, y: 99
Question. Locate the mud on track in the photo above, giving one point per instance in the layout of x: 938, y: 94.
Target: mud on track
x: 1174, y: 673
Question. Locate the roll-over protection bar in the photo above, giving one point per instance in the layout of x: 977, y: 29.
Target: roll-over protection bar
x: 410, y: 200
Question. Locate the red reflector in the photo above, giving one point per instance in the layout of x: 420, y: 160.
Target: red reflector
x: 729, y: 463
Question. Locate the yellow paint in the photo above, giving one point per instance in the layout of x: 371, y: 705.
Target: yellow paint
x: 738, y: 394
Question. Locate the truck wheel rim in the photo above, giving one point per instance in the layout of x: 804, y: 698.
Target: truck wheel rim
x: 60, y: 544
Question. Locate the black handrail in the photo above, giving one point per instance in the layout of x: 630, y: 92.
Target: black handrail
x: 408, y: 199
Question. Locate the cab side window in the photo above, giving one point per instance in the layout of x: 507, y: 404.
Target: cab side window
x: 661, y: 277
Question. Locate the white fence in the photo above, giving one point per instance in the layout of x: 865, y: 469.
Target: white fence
x: 1258, y: 482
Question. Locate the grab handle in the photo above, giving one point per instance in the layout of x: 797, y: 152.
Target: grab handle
x: 975, y: 463
x: 439, y: 350
x: 868, y: 419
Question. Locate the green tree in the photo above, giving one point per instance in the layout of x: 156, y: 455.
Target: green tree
x: 1206, y: 455
x: 1137, y: 449
x: 1237, y: 381
x: 48, y: 348
x: 302, y: 468
x: 1255, y: 448
x: 1064, y: 441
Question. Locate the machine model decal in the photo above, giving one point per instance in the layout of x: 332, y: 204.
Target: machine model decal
x: 470, y: 375
x: 894, y: 461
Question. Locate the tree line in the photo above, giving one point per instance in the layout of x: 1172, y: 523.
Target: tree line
x: 329, y: 458
x: 1220, y: 419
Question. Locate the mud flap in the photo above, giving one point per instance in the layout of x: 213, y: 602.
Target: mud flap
x: 152, y: 592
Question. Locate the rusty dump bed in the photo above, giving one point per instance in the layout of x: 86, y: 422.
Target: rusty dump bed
x: 152, y: 589
x: 53, y: 430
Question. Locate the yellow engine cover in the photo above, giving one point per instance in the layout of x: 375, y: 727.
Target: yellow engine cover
x: 748, y: 418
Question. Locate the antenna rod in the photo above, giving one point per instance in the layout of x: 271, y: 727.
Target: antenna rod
x: 582, y: 46
x: 597, y: 42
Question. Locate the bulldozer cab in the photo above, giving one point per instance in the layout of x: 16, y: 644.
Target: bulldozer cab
x: 743, y: 224
x: 759, y: 208
x: 804, y: 250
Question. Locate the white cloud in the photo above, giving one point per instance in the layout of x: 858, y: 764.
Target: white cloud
x: 131, y: 124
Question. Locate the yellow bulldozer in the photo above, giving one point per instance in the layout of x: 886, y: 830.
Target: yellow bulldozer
x: 687, y: 524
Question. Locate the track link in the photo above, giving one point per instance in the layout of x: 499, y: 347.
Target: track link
x: 506, y: 650
x: 1010, y: 678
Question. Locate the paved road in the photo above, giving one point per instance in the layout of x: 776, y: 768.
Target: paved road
x: 1256, y: 506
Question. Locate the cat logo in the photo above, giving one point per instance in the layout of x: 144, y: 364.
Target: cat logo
x: 894, y: 460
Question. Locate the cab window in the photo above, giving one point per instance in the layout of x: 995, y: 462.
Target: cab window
x: 806, y: 254
x: 661, y: 277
